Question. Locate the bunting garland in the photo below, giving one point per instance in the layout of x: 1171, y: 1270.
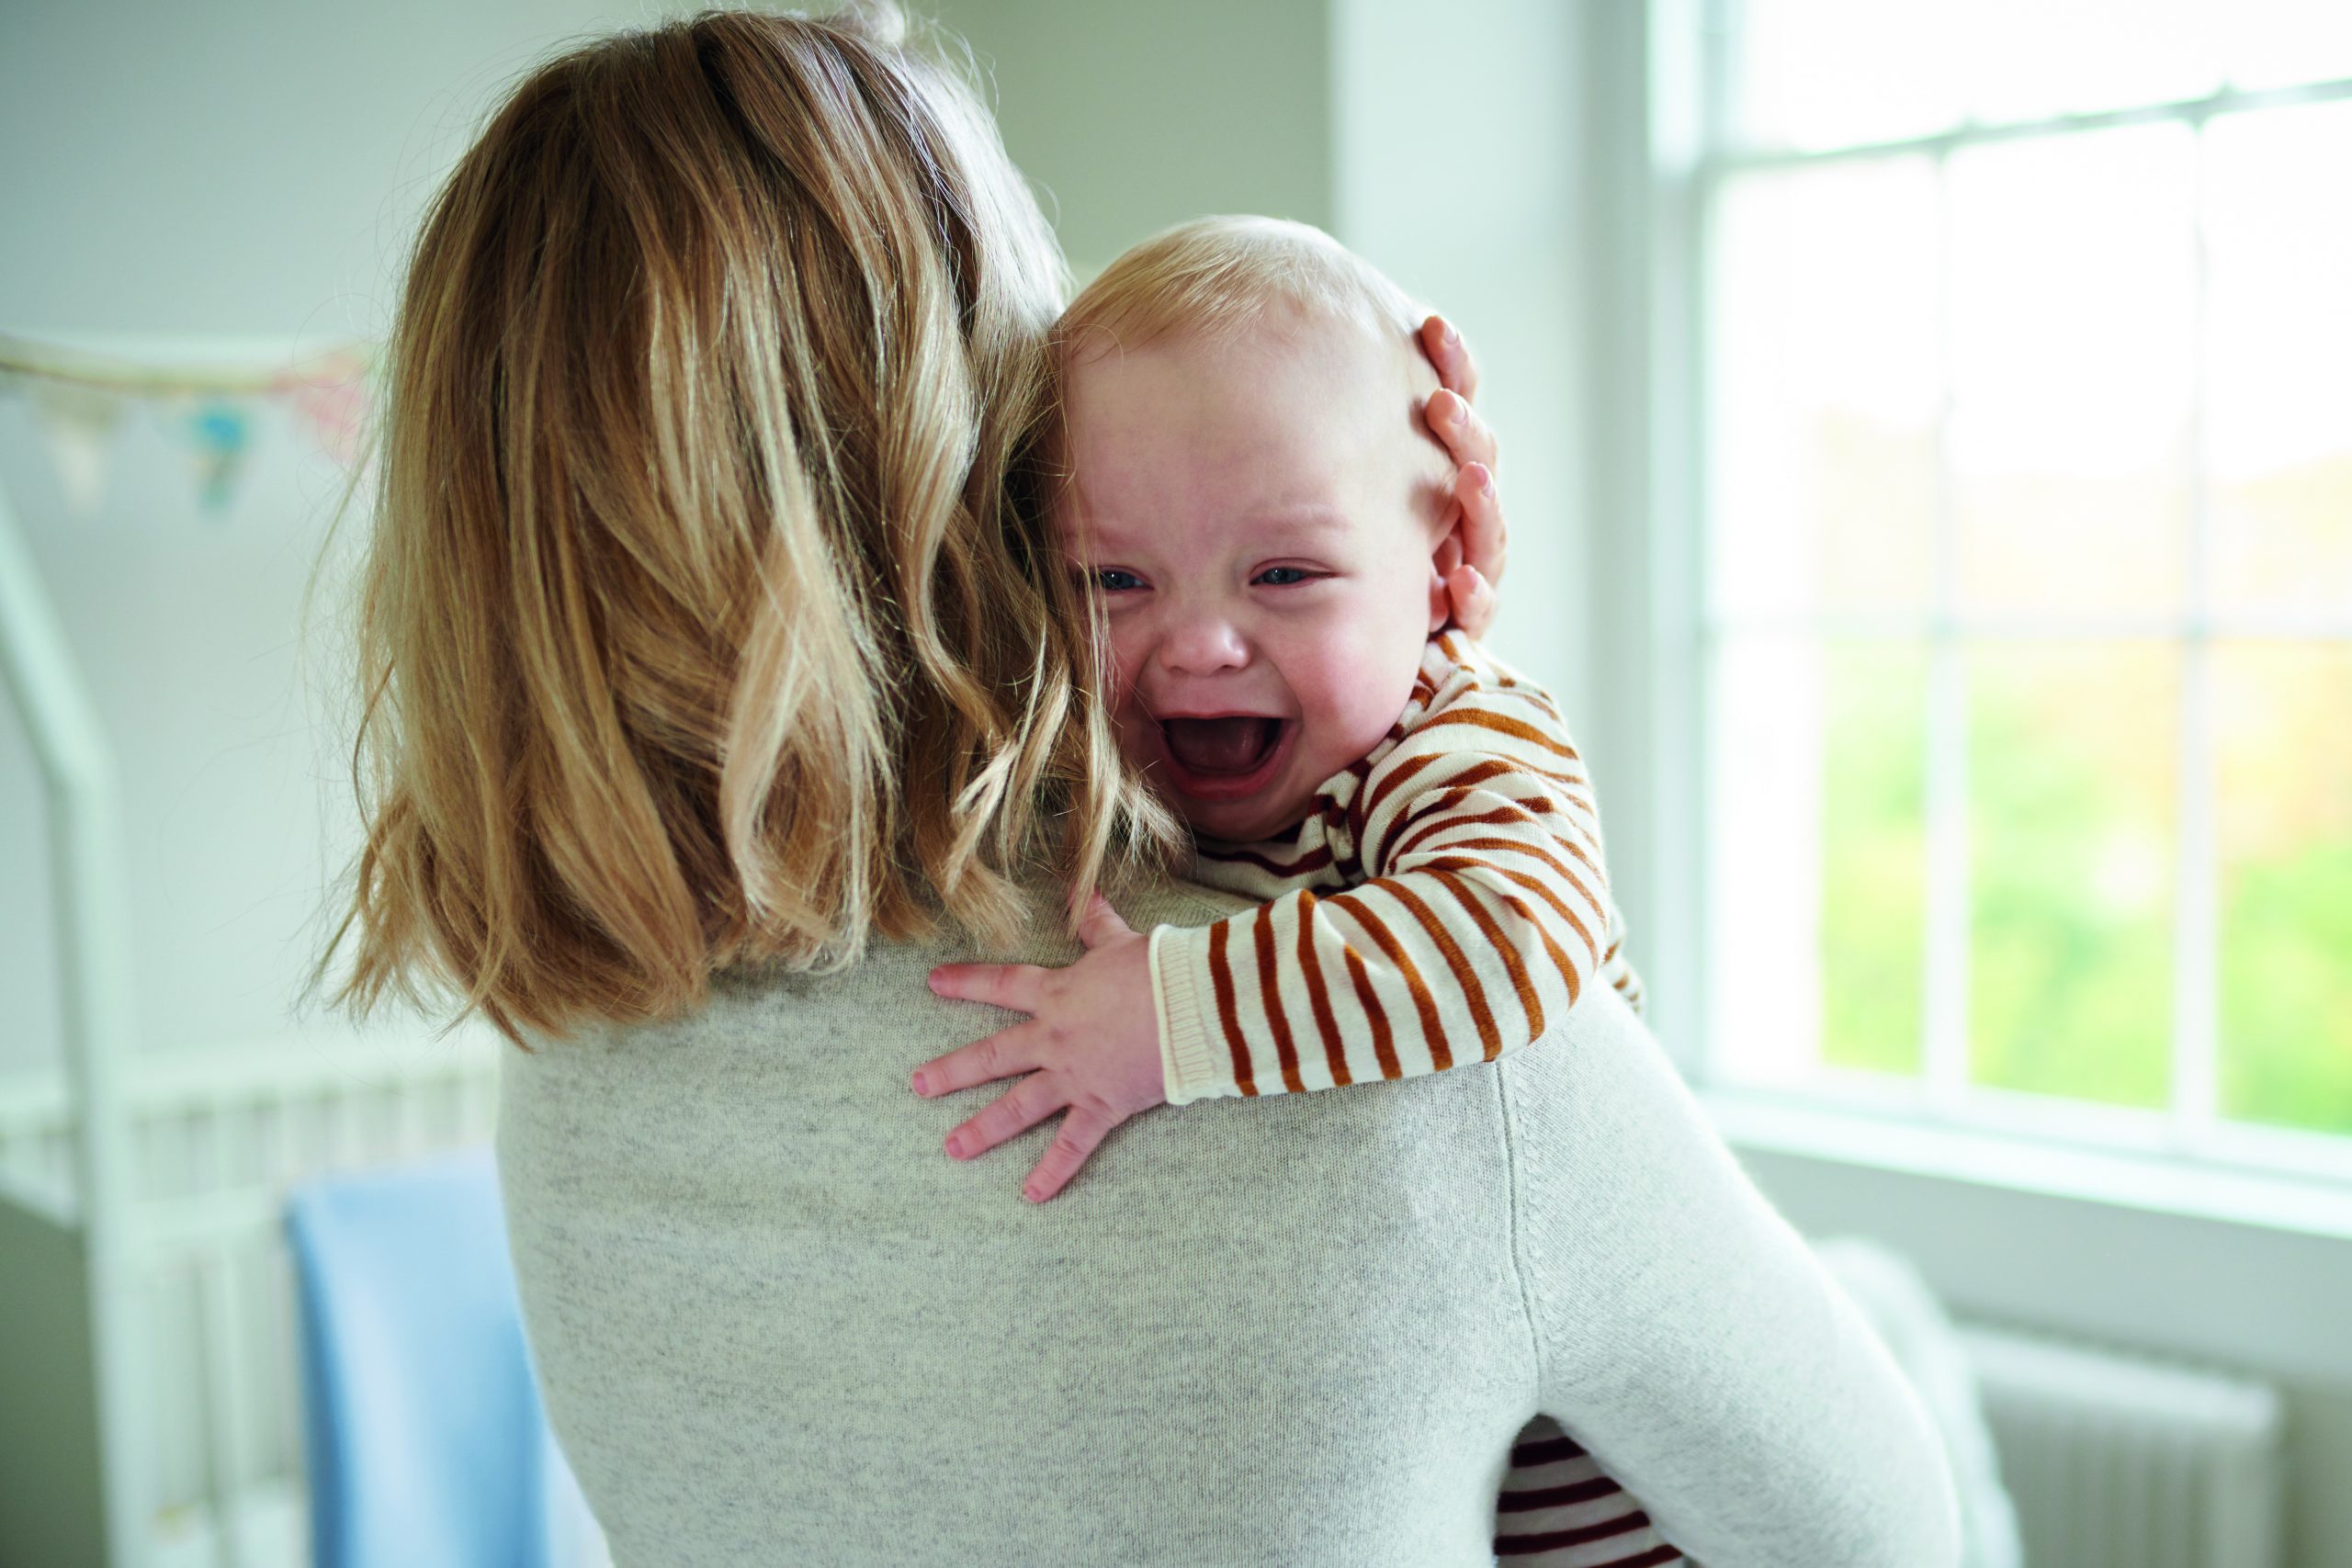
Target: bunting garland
x: 80, y: 400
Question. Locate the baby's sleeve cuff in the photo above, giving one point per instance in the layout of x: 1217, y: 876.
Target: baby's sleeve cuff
x: 1188, y: 1061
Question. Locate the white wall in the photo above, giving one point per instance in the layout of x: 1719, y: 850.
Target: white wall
x: 211, y: 171
x: 1455, y: 152
x: 1129, y: 116
x: 249, y: 167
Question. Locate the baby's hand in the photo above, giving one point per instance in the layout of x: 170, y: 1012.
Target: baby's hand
x: 1473, y: 555
x: 1092, y: 1043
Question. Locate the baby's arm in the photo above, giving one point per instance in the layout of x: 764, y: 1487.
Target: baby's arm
x: 1485, y: 913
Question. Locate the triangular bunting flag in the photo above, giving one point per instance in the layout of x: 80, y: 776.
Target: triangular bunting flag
x: 79, y: 425
x: 331, y: 400
x: 222, y: 432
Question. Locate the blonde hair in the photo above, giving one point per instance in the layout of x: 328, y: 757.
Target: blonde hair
x: 1224, y: 276
x: 707, y: 618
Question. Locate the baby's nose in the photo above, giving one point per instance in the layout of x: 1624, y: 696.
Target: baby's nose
x: 1201, y: 645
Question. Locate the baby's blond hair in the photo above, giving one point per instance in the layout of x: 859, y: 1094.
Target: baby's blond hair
x: 1222, y: 275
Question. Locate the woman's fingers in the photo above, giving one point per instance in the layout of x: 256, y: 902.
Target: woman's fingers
x: 1012, y: 986
x: 1475, y: 450
x: 1082, y: 1132
x: 1016, y: 1110
x: 1001, y: 1055
x: 1469, y: 438
x: 1456, y: 371
x: 1474, y: 601
x: 1485, y: 541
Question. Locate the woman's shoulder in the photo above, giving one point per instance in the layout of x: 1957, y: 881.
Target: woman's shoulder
x: 1174, y: 903
x: 886, y: 966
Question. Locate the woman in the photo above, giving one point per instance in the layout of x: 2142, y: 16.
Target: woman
x: 722, y: 684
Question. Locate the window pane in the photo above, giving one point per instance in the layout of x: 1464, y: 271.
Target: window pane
x: 2286, y: 828
x: 2277, y: 44
x: 1764, y: 983
x: 1814, y: 74
x: 2071, y: 825
x: 2073, y: 295
x: 1819, y: 855
x: 1825, y: 388
x: 1874, y: 853
x: 1817, y: 73
x: 2280, y: 422
x: 2037, y: 61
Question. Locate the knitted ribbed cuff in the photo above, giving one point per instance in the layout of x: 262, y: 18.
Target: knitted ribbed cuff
x: 1188, y: 1060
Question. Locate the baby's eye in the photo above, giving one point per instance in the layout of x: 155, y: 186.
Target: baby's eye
x: 1283, y: 576
x: 1110, y: 579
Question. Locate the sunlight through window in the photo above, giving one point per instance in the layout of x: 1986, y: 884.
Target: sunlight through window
x: 2027, y: 546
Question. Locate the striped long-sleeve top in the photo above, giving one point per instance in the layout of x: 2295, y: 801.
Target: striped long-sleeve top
x: 1560, y: 1509
x: 1443, y: 897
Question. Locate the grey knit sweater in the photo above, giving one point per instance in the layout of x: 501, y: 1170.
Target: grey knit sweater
x: 777, y: 1324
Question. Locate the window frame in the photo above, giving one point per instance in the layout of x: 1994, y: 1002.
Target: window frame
x: 1655, y: 121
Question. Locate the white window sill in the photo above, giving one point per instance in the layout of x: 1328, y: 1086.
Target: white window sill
x: 2314, y: 1205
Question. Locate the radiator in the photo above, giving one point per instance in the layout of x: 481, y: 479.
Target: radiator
x: 2117, y: 1461
x: 218, y: 1137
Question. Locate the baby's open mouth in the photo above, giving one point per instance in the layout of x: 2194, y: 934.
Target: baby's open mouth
x: 1231, y: 745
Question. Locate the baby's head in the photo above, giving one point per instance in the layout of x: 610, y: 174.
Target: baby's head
x: 1260, y: 504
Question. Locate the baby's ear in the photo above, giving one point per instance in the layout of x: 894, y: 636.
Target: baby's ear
x: 1444, y: 563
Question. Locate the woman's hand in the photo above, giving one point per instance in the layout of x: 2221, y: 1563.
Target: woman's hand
x: 1472, y: 558
x: 1092, y: 1043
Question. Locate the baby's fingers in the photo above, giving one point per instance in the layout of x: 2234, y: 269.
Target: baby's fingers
x: 1010, y: 985
x: 1016, y: 1110
x: 1001, y: 1055
x: 1082, y: 1133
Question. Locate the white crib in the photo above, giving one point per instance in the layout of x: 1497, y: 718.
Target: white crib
x: 213, y: 1139
x: 147, y: 1361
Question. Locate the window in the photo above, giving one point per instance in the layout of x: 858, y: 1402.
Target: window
x: 2025, y: 415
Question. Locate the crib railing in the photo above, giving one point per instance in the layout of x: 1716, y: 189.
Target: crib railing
x: 216, y: 1139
